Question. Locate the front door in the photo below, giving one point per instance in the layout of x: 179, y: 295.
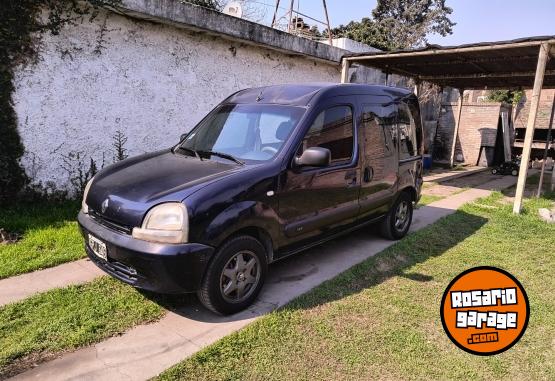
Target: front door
x: 313, y: 201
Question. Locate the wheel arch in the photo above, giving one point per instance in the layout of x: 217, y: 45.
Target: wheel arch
x: 259, y: 234
x: 411, y: 191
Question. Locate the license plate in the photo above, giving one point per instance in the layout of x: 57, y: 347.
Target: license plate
x: 98, y: 247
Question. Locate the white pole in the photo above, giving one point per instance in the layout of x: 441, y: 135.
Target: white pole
x: 534, y: 104
x: 345, y: 64
x: 456, y: 132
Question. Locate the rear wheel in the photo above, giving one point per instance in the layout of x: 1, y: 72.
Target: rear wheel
x: 514, y: 172
x: 494, y: 171
x: 235, y: 276
x: 397, y: 222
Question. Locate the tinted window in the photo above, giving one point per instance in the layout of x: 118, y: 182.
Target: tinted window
x: 378, y: 130
x: 333, y: 129
x: 415, y: 112
x: 407, y: 133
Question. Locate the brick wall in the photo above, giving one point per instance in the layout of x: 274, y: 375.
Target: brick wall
x: 544, y: 111
x: 478, y: 127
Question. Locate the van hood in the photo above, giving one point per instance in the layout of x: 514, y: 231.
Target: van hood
x: 134, y: 185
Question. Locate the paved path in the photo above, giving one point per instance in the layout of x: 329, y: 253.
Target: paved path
x: 22, y: 286
x: 146, y: 350
x: 441, y: 175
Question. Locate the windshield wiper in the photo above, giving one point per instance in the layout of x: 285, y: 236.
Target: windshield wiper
x: 189, y: 150
x: 222, y: 154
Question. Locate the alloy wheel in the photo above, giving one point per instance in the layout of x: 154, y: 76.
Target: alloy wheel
x: 240, y: 276
x: 401, y: 215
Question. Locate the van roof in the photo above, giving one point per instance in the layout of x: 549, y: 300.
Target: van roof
x: 302, y: 94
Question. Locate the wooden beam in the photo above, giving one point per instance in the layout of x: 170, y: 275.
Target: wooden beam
x: 484, y: 75
x: 547, y: 147
x: 489, y: 48
x: 536, y: 92
x: 506, y: 135
x: 417, y: 85
x: 345, y: 70
x: 459, y: 61
x: 457, y: 123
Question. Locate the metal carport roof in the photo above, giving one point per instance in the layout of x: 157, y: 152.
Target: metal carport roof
x: 502, y: 64
x: 522, y: 63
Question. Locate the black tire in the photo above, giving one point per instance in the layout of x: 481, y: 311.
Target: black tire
x: 514, y: 172
x: 494, y: 171
x: 389, y: 226
x: 226, y: 259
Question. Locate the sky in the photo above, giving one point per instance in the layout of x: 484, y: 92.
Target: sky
x: 486, y: 20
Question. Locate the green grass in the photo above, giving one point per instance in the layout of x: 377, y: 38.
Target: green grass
x: 380, y: 319
x: 50, y: 236
x: 44, y: 325
x: 426, y: 199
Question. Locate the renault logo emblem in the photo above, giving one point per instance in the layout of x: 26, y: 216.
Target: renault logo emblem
x: 104, y: 205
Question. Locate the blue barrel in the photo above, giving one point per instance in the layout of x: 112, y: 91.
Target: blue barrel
x: 427, y: 161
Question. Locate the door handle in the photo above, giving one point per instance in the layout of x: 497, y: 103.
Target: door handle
x: 351, y: 174
x: 368, y: 174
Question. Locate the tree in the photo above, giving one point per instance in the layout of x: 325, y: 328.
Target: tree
x: 366, y: 31
x: 400, y: 24
x: 505, y: 96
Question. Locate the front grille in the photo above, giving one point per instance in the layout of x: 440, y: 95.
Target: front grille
x: 124, y: 271
x: 109, y: 223
x: 121, y: 271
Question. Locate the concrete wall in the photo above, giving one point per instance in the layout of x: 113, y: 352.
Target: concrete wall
x: 148, y: 80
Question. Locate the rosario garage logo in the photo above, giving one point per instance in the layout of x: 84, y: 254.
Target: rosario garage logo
x: 485, y: 311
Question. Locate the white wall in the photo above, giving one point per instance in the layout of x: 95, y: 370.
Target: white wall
x: 151, y: 81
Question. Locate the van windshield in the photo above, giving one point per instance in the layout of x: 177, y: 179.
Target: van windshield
x: 244, y: 132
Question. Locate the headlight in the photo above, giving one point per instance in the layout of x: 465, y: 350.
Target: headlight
x: 166, y: 223
x: 84, y: 206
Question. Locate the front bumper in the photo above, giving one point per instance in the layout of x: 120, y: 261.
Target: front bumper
x: 159, y: 267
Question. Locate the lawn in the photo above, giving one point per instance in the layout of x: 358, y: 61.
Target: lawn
x: 380, y: 319
x: 43, y: 326
x: 48, y: 236
x: 426, y: 199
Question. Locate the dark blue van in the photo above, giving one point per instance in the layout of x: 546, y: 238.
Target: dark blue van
x: 268, y: 173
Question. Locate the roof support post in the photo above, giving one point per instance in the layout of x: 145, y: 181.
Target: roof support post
x: 547, y: 147
x: 417, y: 89
x: 536, y: 92
x: 456, y: 132
x: 345, y: 65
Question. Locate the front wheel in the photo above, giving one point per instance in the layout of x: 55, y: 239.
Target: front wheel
x: 235, y: 276
x: 397, y: 222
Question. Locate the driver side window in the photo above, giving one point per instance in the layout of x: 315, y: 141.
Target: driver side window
x: 332, y: 129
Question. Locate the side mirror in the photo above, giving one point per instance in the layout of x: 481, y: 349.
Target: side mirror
x: 183, y: 136
x: 314, y: 157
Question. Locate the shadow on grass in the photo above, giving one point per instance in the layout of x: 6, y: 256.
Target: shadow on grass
x: 396, y: 260
x: 300, y: 281
x: 23, y: 217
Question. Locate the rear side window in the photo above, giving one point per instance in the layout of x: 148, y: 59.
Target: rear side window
x: 378, y: 130
x: 407, y: 133
x: 332, y: 129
